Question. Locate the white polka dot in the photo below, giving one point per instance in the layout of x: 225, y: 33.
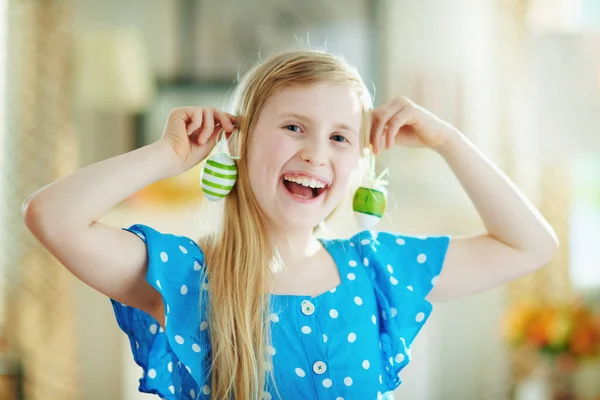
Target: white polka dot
x: 184, y: 290
x: 394, y: 312
x: 324, y: 338
x: 141, y: 236
x: 393, y: 280
x: 158, y: 284
x: 365, y: 241
x: 374, y: 319
x: 379, y: 396
x: 380, y: 380
x: 351, y: 276
x: 327, y: 382
x: 333, y: 313
x: 206, y: 389
x: 421, y: 258
x: 164, y: 256
x: 366, y: 364
x: 351, y: 244
x: 189, y: 370
x: 168, y: 309
x: 203, y: 325
x: 172, y: 389
x: 161, y: 330
x: 196, y: 348
x: 153, y: 329
x: 266, y: 396
x: 410, y: 288
x: 306, y: 330
x: 400, y: 241
x: 332, y: 290
x: 274, y: 318
x: 193, y: 394
x: 434, y: 280
x: 339, y: 398
x: 358, y: 301
x: 166, y: 319
x: 390, y: 269
x: 420, y: 317
x: 352, y: 337
x: 366, y: 262
x: 272, y: 350
x: 352, y: 263
x: 348, y: 381
x: 399, y: 357
x: 137, y: 345
x: 196, y: 266
x: 179, y: 339
x: 183, y: 249
x: 152, y: 374
x: 170, y: 367
x: 300, y: 372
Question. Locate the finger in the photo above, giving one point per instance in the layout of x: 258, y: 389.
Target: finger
x: 225, y: 121
x: 208, y: 127
x: 380, y: 120
x: 396, y: 122
x: 195, y: 116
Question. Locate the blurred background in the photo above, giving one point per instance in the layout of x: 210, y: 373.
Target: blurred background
x: 84, y: 80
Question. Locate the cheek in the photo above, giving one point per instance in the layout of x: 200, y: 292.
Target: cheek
x: 345, y: 167
x: 268, y: 153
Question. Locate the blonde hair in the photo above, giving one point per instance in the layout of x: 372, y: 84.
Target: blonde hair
x: 239, y: 257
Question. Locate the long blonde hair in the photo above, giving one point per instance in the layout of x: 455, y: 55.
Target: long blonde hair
x: 239, y: 257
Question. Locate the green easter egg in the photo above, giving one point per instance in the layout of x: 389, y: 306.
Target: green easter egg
x: 369, y: 201
x: 368, y: 205
x: 218, y: 176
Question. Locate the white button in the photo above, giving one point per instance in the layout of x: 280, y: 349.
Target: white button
x: 319, y: 367
x: 308, y: 308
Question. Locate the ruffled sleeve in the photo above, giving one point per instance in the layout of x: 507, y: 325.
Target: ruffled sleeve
x: 175, y: 360
x: 403, y: 270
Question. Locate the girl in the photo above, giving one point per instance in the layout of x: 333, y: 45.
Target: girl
x: 263, y: 309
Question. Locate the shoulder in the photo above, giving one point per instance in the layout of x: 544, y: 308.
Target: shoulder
x: 175, y: 262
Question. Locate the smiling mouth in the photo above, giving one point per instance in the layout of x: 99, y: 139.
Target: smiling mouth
x: 303, y: 188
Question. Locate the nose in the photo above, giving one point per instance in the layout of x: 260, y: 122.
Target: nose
x: 315, y: 152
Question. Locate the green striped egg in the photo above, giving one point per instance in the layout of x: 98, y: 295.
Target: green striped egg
x: 369, y: 205
x: 218, y: 176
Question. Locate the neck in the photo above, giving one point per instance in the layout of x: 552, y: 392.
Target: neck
x: 294, y: 246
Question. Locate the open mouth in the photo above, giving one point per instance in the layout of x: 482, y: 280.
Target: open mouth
x: 303, y: 187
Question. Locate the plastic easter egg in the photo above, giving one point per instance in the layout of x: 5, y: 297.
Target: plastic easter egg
x: 369, y: 205
x: 218, y: 176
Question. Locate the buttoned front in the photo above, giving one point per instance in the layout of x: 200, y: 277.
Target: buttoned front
x: 308, y: 308
x: 319, y: 367
x: 350, y: 342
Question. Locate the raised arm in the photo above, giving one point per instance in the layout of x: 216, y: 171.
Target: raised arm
x: 518, y: 240
x: 64, y: 215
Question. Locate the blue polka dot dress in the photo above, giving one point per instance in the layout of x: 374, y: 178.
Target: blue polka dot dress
x: 350, y: 342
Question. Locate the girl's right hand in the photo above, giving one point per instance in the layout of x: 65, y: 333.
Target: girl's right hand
x: 192, y: 132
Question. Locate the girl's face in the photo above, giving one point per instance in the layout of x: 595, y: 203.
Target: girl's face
x: 304, y: 148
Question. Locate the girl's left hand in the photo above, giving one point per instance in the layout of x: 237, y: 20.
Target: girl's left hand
x: 405, y: 123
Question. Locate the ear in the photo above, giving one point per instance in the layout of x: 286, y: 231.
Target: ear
x: 365, y: 130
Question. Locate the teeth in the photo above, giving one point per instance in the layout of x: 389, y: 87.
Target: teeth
x: 312, y: 183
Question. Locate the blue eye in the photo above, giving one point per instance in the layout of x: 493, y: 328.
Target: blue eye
x: 339, y: 138
x: 292, y: 128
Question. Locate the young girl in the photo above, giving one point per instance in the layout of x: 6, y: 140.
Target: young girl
x: 263, y: 309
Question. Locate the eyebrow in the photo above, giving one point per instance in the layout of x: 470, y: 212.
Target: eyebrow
x: 305, y: 118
